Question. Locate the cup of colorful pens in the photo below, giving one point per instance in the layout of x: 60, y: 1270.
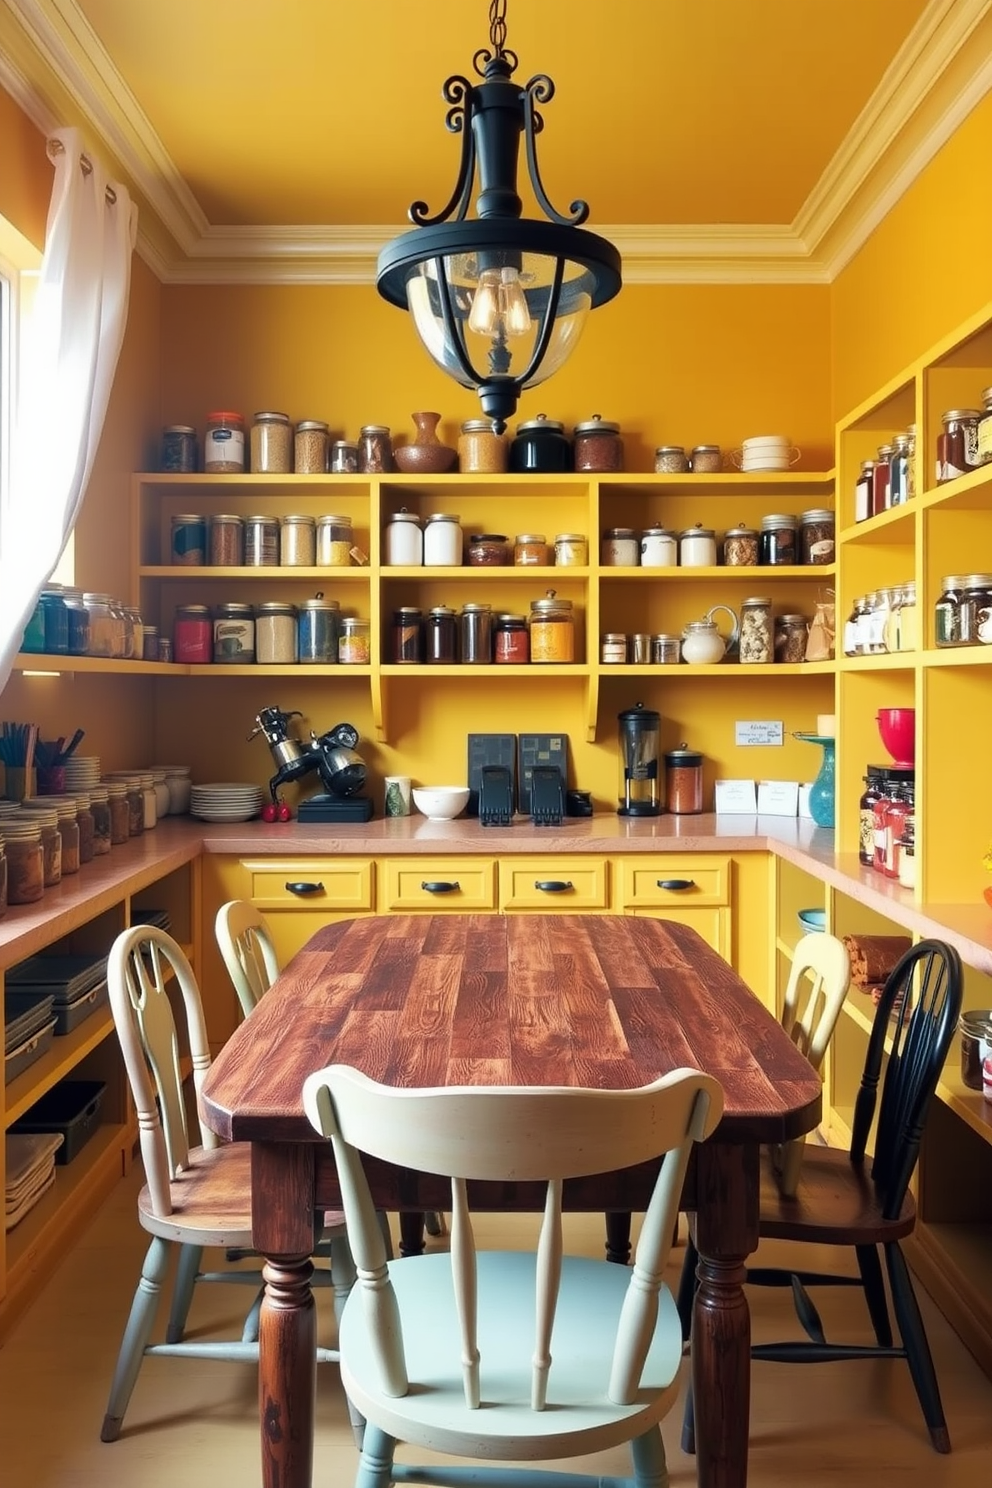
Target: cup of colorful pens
x: 50, y: 757
x: 18, y: 742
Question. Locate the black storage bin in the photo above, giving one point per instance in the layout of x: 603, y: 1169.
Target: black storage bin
x: 73, y: 1108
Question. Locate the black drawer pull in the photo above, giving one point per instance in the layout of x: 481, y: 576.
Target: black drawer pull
x: 676, y: 883
x: 552, y: 885
x: 440, y: 886
x: 303, y: 888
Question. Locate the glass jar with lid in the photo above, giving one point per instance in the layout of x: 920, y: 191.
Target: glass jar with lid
x: 56, y: 618
x: 441, y: 636
x: 276, y: 635
x: 671, y: 459
x: 541, y: 447
x: 908, y: 629
x: 271, y: 444
x: 756, y: 639
x: 697, y: 547
x: 489, y: 550
x: 261, y: 542
x: 511, y: 641
x: 193, y: 635
x: 375, y: 450
x: 531, y: 550
x: 778, y: 540
x: 224, y: 444
x: 975, y: 610
x: 620, y: 548
x: 816, y: 536
x: 613, y: 648
x: 86, y: 824
x: 24, y: 856
x: 310, y: 447
x: 354, y: 648
x: 552, y: 629
x: 740, y: 546
x: 298, y: 541
x: 475, y: 631
x: 188, y: 539
x: 404, y: 540
x: 597, y: 446
x: 862, y: 491
x: 333, y: 541
x: 318, y: 627
x: 407, y: 636
x: 442, y: 541
x: 706, y: 459
x: 343, y: 457
x: 227, y: 540
x: 134, y: 795
x: 63, y: 810
x: 791, y: 632
x: 571, y: 550
x: 880, y: 603
x: 880, y: 477
x: 659, y: 548
x: 957, y: 444
x: 899, y: 470
x: 234, y: 634
x: 51, y: 841
x: 481, y: 451
x: 984, y: 439
x: 119, y: 809
x: 99, y: 799
x: 178, y: 449
x: 946, y: 619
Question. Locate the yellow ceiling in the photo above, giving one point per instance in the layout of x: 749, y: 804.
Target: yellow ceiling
x: 330, y: 111
x: 280, y: 129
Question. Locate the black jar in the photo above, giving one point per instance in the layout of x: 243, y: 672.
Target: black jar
x: 541, y: 447
x: 407, y: 636
x: 441, y: 636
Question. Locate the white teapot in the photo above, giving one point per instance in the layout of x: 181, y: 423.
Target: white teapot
x: 702, y: 642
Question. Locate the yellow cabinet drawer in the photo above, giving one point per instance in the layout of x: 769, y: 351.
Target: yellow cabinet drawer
x: 341, y: 884
x: 553, y: 883
x: 690, y: 881
x: 713, y: 924
x: 436, y: 884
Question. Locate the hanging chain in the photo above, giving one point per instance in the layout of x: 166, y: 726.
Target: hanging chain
x: 497, y: 26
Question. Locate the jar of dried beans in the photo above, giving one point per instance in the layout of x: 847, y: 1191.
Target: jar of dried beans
x: 684, y: 781
x: 227, y: 541
x: 597, y: 445
x: 310, y: 447
x: 756, y: 642
x: 791, y: 632
x: 271, y: 444
x: 740, y: 547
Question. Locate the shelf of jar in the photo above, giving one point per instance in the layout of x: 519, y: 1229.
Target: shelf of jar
x: 888, y: 661
x: 722, y: 481
x: 202, y: 480
x: 746, y: 573
x: 338, y: 670
x: 955, y: 656
x: 965, y: 493
x: 488, y: 669
x: 50, y: 664
x: 297, y: 572
x: 719, y: 669
x: 517, y: 573
x: 879, y: 529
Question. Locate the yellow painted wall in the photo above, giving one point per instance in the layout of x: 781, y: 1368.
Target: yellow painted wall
x: 25, y: 175
x: 925, y: 269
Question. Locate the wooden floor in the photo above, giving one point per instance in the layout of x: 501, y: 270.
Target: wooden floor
x: 194, y: 1422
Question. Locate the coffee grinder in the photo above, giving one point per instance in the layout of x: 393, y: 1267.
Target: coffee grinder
x: 331, y: 756
x: 640, y: 737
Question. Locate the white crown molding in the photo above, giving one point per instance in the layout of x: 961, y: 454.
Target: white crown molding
x: 886, y: 148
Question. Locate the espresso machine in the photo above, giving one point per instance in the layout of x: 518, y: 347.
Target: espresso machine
x: 640, y: 731
x: 331, y: 756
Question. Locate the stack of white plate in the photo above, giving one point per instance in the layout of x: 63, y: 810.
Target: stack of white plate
x: 82, y: 772
x: 226, y: 800
x: 768, y: 452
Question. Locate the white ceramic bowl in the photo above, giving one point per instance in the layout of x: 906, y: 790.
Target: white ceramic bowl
x: 440, y: 802
x: 765, y: 443
x: 765, y: 462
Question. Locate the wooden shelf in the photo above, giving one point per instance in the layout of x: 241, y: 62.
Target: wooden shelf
x: 48, y: 664
x: 60, y: 1060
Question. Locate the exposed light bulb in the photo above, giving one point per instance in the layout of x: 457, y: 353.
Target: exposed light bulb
x: 484, y: 315
x: 513, y: 304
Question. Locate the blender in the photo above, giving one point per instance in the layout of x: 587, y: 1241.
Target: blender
x: 640, y: 731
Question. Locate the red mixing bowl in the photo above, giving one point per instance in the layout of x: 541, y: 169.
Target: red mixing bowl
x: 897, y: 727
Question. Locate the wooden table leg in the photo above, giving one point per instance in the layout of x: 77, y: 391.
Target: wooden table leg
x: 618, y: 1237
x: 726, y: 1228
x: 283, y: 1230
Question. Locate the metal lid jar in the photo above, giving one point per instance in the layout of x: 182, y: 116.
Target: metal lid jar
x: 271, y: 444
x: 740, y: 547
x: 318, y: 628
x: 404, y: 540
x: 442, y: 541
x: 552, y: 629
x: 778, y: 540
x: 441, y: 636
x: 481, y: 451
x: 597, y: 445
x: 375, y: 450
x: 571, y: 550
x: 671, y: 459
x: 476, y: 632
x: 531, y: 550
x: 193, y: 635
x: 234, y: 634
x: 511, y: 640
x: 227, y: 540
x: 620, y: 548
x: 489, y: 550
x: 706, y: 459
x: 275, y: 633
x: 224, y: 444
x: 333, y: 541
x: 946, y: 620
x: 541, y: 447
x: 298, y: 541
x: 816, y: 536
x: 697, y: 547
x: 310, y: 447
x: 659, y: 548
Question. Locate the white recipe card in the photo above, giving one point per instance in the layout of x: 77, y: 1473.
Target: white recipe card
x: 778, y: 797
x: 736, y: 796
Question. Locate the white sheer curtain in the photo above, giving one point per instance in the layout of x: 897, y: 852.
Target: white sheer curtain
x: 69, y: 358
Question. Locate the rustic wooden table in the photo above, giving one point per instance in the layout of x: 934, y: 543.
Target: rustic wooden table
x: 600, y: 1000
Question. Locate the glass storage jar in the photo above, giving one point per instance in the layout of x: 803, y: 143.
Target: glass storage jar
x: 334, y: 541
x: 697, y: 547
x: 353, y: 643
x: 318, y: 629
x: 60, y: 811
x: 957, y: 445
x: 193, y: 635
x: 666, y: 650
x: 670, y: 459
x: 659, y: 548
x: 343, y: 458
x: 227, y: 541
x: 161, y: 788
x: 552, y: 629
x: 56, y: 618
x: 597, y: 445
x: 489, y: 550
x: 531, y: 550
x: 404, y: 540
x: 880, y: 477
x: 481, y: 451
x: 407, y: 636
x: 224, y: 444
x: 974, y: 612
x: 51, y: 842
x: 188, y: 539
x: 791, y: 632
x: 740, y: 547
x: 149, y: 801
x: 778, y: 540
x: 441, y: 636
x: 684, y: 781
x: 134, y: 795
x: 120, y: 810
x: 271, y: 444
x: 86, y: 824
x: 756, y: 637
x: 706, y: 459
x: 298, y: 541
x: 100, y: 810
x: 541, y: 447
x: 475, y: 631
x: 276, y: 641
x: 179, y: 449
x: 310, y: 447
x: 33, y: 639
x: 816, y: 536
x: 946, y: 617
x: 620, y: 548
x: 984, y: 438
x: 899, y: 471
x: 375, y: 450
x: 234, y: 634
x: 571, y: 550
x: 862, y: 491
x: 613, y: 648
x: 442, y: 541
x: 261, y: 542
x: 511, y: 642
x: 25, y: 858
x: 102, y: 624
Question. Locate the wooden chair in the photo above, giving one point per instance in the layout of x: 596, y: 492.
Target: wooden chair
x: 248, y: 952
x: 453, y: 1352
x: 194, y: 1195
x: 849, y: 1199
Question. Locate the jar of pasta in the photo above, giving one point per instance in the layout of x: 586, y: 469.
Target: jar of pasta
x: 756, y: 639
x: 552, y: 629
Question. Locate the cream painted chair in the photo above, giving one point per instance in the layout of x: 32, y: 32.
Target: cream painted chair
x: 195, y: 1195
x: 247, y: 950
x: 453, y: 1352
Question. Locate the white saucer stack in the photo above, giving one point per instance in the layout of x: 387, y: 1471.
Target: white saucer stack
x: 768, y: 452
x: 82, y: 772
x: 226, y: 800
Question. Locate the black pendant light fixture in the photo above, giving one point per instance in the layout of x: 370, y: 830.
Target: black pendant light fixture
x: 499, y: 300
